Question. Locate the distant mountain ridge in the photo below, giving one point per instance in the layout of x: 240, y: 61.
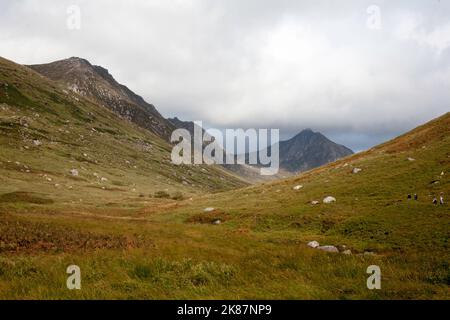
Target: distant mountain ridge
x: 308, y: 150
x: 304, y: 151
x: 96, y: 83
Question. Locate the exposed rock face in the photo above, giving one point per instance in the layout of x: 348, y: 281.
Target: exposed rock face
x: 96, y: 83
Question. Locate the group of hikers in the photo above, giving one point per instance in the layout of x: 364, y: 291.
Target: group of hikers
x: 435, y: 199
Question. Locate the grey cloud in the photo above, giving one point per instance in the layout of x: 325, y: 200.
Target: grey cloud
x: 257, y: 63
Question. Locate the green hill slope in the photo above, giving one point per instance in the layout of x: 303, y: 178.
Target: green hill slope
x: 46, y: 132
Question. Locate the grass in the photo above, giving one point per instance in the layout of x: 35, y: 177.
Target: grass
x: 130, y: 246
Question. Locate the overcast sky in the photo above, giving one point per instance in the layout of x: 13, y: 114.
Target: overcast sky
x: 358, y: 71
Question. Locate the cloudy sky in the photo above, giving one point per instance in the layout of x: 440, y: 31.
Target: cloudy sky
x: 359, y: 71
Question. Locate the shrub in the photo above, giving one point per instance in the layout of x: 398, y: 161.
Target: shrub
x: 162, y: 194
x: 178, y: 196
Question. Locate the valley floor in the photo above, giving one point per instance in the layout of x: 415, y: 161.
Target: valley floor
x: 169, y: 249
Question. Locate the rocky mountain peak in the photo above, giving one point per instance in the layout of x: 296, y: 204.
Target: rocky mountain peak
x: 95, y: 82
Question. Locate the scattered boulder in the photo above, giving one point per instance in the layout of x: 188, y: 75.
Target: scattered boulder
x: 313, y: 244
x: 347, y: 252
x: 37, y: 143
x: 411, y: 159
x: 217, y: 222
x: 356, y: 170
x: 329, y: 199
x: 74, y: 172
x: 314, y: 202
x: 103, y: 179
x: 298, y: 187
x: 209, y: 209
x: 328, y: 248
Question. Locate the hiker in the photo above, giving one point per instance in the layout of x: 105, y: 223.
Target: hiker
x: 441, y: 199
x: 416, y: 197
x: 409, y: 197
x: 435, y: 201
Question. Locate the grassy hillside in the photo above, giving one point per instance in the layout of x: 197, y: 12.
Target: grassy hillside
x: 46, y: 132
x: 139, y: 247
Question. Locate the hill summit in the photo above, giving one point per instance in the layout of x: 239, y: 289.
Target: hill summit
x: 96, y: 83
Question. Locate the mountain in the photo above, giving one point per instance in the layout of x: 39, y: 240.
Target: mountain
x: 181, y: 124
x: 305, y: 151
x: 61, y: 144
x: 308, y: 150
x: 250, y: 173
x: 96, y: 83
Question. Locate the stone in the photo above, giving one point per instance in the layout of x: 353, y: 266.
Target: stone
x: 328, y: 248
x: 313, y: 244
x: 411, y: 159
x: 356, y: 170
x: 74, y: 172
x: 329, y: 199
x: 298, y: 187
x: 209, y: 209
x: 217, y: 222
x: 347, y: 252
x: 37, y: 143
x: 314, y: 202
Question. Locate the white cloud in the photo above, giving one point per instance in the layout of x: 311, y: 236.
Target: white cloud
x: 256, y: 63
